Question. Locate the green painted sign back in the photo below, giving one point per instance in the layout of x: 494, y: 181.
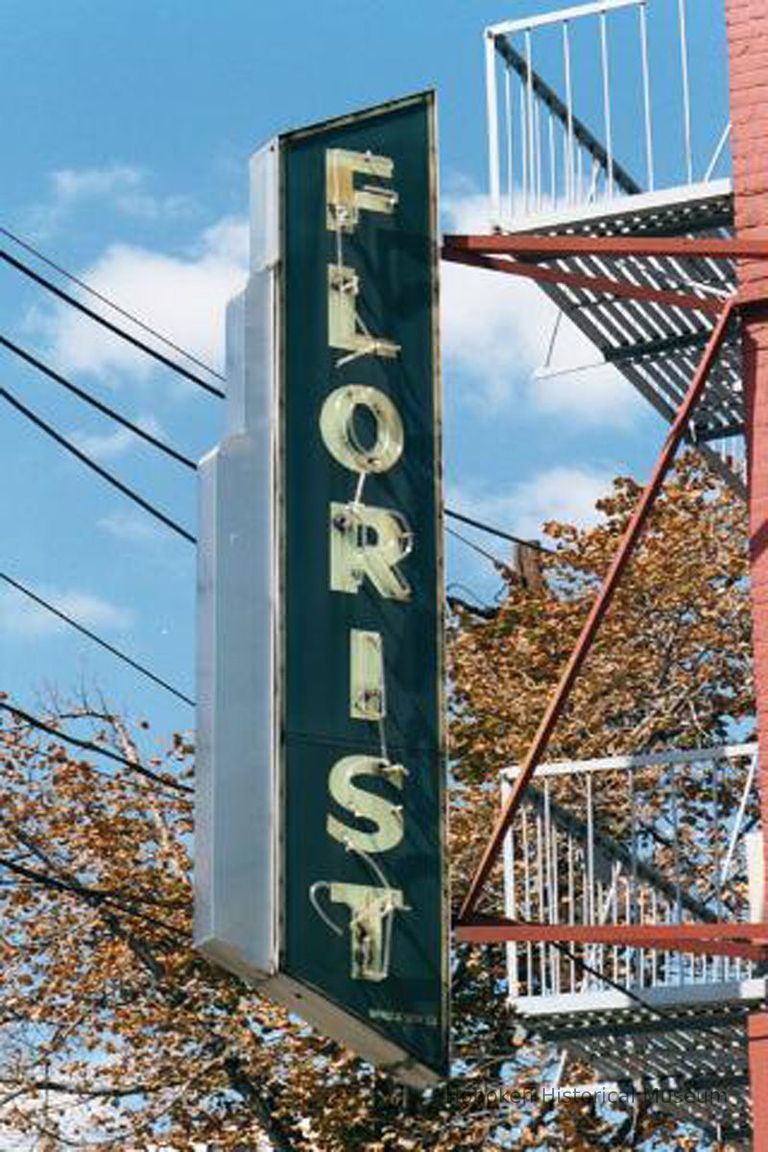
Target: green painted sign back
x: 363, y: 729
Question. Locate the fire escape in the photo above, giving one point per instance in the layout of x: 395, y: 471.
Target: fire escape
x: 633, y: 885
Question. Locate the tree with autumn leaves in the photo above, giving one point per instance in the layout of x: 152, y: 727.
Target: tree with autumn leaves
x: 114, y: 1031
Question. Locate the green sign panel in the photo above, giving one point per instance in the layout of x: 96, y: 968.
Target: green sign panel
x: 362, y: 753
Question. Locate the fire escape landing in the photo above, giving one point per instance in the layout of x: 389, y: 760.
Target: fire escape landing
x: 633, y: 885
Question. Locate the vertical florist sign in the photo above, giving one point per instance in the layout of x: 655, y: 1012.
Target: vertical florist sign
x: 358, y: 742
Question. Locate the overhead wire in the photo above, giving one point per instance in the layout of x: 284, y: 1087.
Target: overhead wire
x: 148, y: 437
x: 44, y: 282
x: 90, y: 746
x: 88, y: 398
x: 168, y: 450
x: 492, y: 531
x: 108, y: 301
x: 501, y: 565
x: 99, y: 405
x: 118, y: 331
x: 105, y: 474
x: 43, y: 603
x: 179, y: 457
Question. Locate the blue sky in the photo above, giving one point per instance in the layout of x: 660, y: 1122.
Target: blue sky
x: 127, y: 131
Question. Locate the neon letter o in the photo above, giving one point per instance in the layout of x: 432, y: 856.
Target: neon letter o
x: 337, y: 428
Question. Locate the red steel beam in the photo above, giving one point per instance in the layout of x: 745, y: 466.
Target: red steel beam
x: 632, y: 534
x: 597, y: 284
x: 757, y: 1049
x: 502, y: 928
x: 551, y: 247
x: 748, y: 941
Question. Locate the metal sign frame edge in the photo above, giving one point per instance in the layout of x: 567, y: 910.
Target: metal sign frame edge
x: 251, y: 448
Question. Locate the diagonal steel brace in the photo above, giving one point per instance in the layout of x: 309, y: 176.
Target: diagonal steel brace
x: 629, y: 540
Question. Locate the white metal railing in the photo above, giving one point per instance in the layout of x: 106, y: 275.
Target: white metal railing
x: 656, y: 839
x: 622, y: 65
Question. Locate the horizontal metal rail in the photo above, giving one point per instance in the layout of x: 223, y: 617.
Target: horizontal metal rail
x: 643, y: 760
x: 528, y: 23
x: 542, y: 156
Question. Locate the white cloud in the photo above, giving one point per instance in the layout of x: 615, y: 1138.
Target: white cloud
x: 22, y: 617
x: 184, y: 297
x: 133, y: 529
x: 466, y: 210
x: 228, y: 239
x: 564, y: 492
x: 498, y: 332
x: 124, y: 186
x: 71, y: 184
x: 596, y: 395
x: 110, y: 445
x: 124, y: 189
x: 493, y: 330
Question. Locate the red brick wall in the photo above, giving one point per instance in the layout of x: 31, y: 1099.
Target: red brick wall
x: 747, y: 22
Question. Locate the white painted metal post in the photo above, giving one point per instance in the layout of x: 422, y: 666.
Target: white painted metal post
x: 493, y: 126
x: 508, y: 113
x: 647, y: 115
x: 510, y: 901
x: 755, y: 875
x: 552, y: 161
x: 531, y: 127
x: 570, y: 176
x: 524, y: 149
x: 686, y: 90
x: 607, y: 100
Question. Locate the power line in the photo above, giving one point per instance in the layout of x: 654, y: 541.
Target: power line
x: 477, y: 548
x: 84, y: 458
x: 89, y: 746
x: 20, y: 266
x: 96, y: 639
x: 498, y: 532
x: 98, y: 404
x: 103, y: 472
x: 148, y: 437
x: 47, y: 284
x: 88, y: 398
x: 106, y: 300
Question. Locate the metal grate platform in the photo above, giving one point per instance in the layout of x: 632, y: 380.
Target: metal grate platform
x: 550, y: 174
x: 682, y: 1056
x: 665, y: 1029
x: 656, y: 347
